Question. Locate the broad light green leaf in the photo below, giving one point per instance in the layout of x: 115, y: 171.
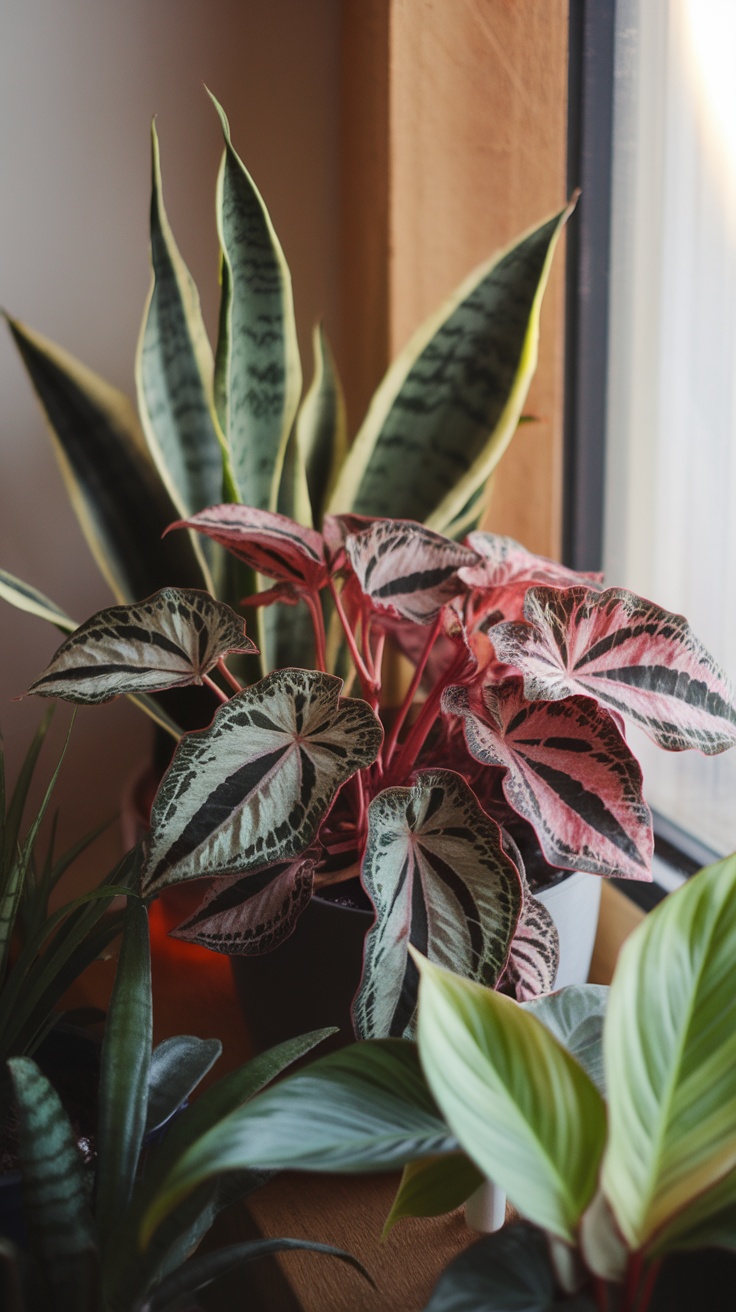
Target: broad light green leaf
x: 520, y: 1105
x: 322, y: 426
x: 575, y: 1016
x: 174, y: 372
x: 439, y: 879
x: 125, y: 1063
x: 253, y: 787
x: 509, y: 1270
x: 258, y: 363
x: 54, y: 1190
x: 114, y: 487
x: 24, y: 597
x: 171, y: 640
x: 365, y: 1109
x: 451, y: 401
x: 670, y: 1053
x: 433, y: 1186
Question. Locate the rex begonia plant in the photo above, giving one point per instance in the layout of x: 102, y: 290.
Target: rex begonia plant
x: 505, y: 761
x: 506, y: 749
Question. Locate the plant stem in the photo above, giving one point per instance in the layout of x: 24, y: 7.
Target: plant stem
x: 227, y: 674
x: 215, y: 688
x: 647, y: 1286
x: 358, y: 661
x: 408, y: 701
x: 318, y: 624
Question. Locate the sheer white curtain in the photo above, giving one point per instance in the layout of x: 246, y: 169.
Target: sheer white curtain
x: 670, y: 530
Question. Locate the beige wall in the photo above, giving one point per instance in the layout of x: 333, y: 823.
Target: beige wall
x: 79, y: 84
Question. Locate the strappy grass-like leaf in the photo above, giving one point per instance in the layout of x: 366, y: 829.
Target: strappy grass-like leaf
x: 113, y: 484
x: 450, y: 403
x: 439, y: 879
x: 321, y: 426
x: 174, y: 372
x: 253, y: 787
x: 258, y: 355
x: 670, y: 1054
x: 29, y: 599
x: 631, y: 655
x: 366, y: 1109
x: 55, y: 1193
x: 520, y: 1105
x: 124, y: 1069
x: 170, y: 640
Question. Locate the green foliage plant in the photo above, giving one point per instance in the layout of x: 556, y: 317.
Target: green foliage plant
x: 84, y: 1221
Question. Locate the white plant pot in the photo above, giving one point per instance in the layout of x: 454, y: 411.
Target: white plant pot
x: 573, y: 904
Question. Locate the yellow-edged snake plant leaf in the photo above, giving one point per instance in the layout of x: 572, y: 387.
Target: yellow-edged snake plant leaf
x: 27, y: 598
x: 258, y: 369
x: 174, y: 372
x: 171, y: 640
x: 451, y: 401
x: 670, y: 1054
x: 631, y: 655
x: 439, y: 879
x: 321, y: 426
x: 253, y: 787
x: 522, y: 1108
x: 113, y: 484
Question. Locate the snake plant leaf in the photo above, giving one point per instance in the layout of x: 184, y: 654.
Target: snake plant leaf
x: 55, y: 1190
x: 201, y: 1271
x: 245, y: 917
x: 407, y: 570
x: 293, y: 497
x: 510, y: 1269
x: 366, y: 1108
x: 27, y: 598
x: 631, y: 655
x: 535, y: 952
x: 124, y: 1071
x: 439, y: 879
x: 433, y: 1186
x: 521, y: 1106
x: 253, y: 787
x: 450, y: 403
x: 670, y: 1056
x: 321, y: 426
x: 177, y: 1066
x: 575, y: 1016
x: 270, y: 543
x: 258, y: 360
x: 170, y: 640
x: 569, y: 773
x: 174, y: 372
x: 114, y: 486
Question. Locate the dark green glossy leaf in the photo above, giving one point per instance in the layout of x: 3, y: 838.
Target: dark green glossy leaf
x: 509, y: 1271
x: 177, y: 1066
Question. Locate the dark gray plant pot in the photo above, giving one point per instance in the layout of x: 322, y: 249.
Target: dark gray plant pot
x: 309, y: 981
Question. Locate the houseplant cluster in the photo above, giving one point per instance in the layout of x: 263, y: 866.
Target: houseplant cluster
x: 503, y: 764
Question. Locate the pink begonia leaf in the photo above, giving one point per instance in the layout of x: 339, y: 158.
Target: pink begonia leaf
x: 336, y: 528
x: 170, y: 640
x: 569, y: 772
x: 272, y: 544
x: 289, y: 594
x: 506, y: 572
x: 439, y: 878
x: 632, y: 656
x: 407, y: 570
x: 535, y: 953
x: 249, y: 916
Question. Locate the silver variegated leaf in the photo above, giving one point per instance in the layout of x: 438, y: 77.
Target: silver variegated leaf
x: 569, y: 772
x: 170, y: 640
x: 439, y: 879
x: 406, y: 569
x: 246, y: 917
x: 253, y: 787
x: 634, y: 657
